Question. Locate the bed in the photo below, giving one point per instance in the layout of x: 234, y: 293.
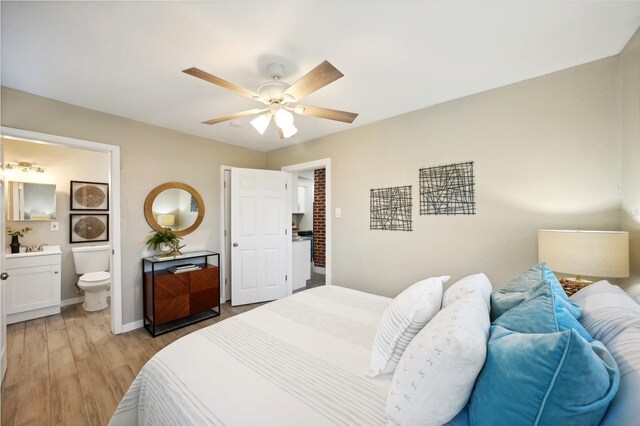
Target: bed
x: 303, y: 360
x: 299, y: 360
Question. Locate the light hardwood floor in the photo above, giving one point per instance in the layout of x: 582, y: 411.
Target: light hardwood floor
x: 69, y: 369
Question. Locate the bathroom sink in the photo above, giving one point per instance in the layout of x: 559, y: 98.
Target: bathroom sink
x: 45, y: 251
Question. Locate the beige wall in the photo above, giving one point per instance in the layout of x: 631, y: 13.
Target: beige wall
x: 149, y: 156
x: 62, y: 164
x: 546, y: 151
x: 546, y: 155
x: 630, y: 139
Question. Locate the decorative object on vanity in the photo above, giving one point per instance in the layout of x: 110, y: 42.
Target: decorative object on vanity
x: 447, y: 190
x: 175, y: 199
x: 279, y: 98
x: 165, y: 240
x: 173, y: 300
x: 89, y: 195
x: 584, y: 253
x: 30, y: 201
x: 88, y: 228
x: 92, y: 264
x: 390, y: 209
x: 32, y: 287
x: 15, y: 243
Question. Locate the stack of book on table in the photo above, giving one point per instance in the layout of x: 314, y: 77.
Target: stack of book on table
x: 187, y: 267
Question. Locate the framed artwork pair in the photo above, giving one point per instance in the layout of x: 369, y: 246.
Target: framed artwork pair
x: 88, y: 226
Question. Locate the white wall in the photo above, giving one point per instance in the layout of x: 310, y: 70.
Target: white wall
x: 546, y: 155
x: 150, y: 156
x: 630, y: 138
x: 62, y: 164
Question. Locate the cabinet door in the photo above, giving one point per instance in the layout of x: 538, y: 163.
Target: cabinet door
x: 302, y: 196
x: 205, y: 289
x: 32, y: 288
x: 171, y: 297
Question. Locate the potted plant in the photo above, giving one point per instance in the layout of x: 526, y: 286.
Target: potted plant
x: 166, y: 240
x: 15, y: 243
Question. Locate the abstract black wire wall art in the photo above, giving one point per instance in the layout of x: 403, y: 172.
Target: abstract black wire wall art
x: 391, y: 209
x: 447, y: 190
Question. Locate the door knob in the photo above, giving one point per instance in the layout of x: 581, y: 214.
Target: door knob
x: 4, y: 276
x: 235, y: 244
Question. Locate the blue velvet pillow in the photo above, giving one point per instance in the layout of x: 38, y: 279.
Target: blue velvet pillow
x: 542, y: 312
x: 543, y: 379
x: 521, y: 288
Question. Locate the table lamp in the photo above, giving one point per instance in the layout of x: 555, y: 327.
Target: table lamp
x: 585, y: 253
x: 166, y: 220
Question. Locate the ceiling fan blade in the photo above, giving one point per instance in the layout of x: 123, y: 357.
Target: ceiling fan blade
x: 236, y: 115
x: 329, y: 114
x: 315, y: 79
x: 195, y: 72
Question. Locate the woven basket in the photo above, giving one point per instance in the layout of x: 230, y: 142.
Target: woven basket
x: 572, y: 287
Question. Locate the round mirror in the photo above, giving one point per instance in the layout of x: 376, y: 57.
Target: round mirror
x: 176, y: 206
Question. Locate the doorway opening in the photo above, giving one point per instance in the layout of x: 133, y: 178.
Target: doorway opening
x: 311, y: 220
x: 109, y: 156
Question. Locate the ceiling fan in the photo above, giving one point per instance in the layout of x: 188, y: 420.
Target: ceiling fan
x: 280, y: 98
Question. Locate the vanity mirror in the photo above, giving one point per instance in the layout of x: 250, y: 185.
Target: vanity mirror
x: 30, y: 201
x: 176, y: 206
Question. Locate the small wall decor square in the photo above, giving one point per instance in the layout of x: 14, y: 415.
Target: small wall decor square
x: 88, y: 228
x: 89, y: 196
x: 447, y: 190
x: 391, y: 209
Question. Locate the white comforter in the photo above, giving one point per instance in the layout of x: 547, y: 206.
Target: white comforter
x: 297, y: 361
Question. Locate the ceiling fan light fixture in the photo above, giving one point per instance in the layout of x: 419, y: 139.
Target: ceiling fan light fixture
x: 289, y: 131
x: 261, y: 122
x: 284, y: 118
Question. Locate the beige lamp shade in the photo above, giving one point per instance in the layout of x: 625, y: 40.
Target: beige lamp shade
x: 589, y: 253
x: 166, y: 219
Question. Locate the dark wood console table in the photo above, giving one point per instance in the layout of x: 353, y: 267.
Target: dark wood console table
x: 175, y: 300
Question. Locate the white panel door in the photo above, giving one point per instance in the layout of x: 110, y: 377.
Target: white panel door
x: 259, y: 233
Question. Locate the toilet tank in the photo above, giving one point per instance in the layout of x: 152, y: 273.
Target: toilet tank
x: 91, y: 258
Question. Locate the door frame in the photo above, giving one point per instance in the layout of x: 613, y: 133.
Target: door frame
x: 325, y: 164
x: 223, y: 257
x: 114, y: 201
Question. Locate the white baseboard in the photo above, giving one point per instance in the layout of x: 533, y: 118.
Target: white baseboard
x: 132, y: 326
x: 76, y: 300
x: 72, y: 301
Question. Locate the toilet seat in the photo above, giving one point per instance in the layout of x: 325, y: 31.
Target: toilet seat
x: 95, y: 276
x: 94, y: 279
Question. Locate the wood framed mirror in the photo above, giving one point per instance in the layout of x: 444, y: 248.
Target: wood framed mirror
x: 176, y: 206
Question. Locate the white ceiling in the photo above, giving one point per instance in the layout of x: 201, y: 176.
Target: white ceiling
x: 125, y: 58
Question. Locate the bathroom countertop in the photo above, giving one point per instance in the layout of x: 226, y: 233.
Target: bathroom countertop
x: 46, y: 250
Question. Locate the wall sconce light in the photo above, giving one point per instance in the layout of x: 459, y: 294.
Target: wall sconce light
x: 24, y: 166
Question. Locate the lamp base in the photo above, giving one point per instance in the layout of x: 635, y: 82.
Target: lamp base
x: 573, y: 285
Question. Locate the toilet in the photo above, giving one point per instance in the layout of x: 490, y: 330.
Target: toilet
x: 92, y: 263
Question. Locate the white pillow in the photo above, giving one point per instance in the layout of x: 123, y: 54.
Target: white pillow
x: 402, y: 320
x: 466, y: 285
x: 436, y: 374
x: 613, y: 317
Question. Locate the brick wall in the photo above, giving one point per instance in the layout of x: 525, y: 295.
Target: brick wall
x: 318, y: 218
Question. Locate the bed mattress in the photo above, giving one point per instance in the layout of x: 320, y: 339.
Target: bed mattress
x: 299, y: 360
